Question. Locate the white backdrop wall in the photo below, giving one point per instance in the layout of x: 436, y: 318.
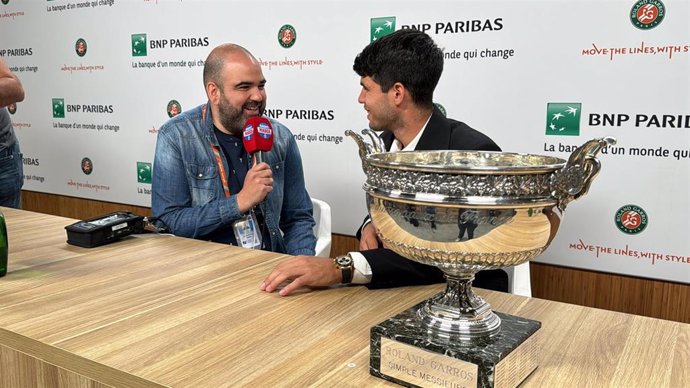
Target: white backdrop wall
x: 510, y: 67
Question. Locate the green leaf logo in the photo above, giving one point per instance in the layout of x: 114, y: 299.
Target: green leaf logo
x: 58, y: 108
x: 139, y: 45
x: 382, y: 27
x: 143, y: 172
x: 563, y: 118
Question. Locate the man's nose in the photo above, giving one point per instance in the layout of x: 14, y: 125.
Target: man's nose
x: 257, y: 95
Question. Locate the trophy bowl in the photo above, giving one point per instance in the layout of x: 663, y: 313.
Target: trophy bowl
x: 467, y: 211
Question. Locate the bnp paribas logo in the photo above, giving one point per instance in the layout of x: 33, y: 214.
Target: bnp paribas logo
x: 647, y: 14
x: 138, y: 45
x: 382, y: 27
x: 563, y: 118
x: 143, y: 172
x: 58, y: 108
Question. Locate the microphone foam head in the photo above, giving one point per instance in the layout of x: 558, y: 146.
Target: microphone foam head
x: 265, y: 138
x: 257, y: 135
x: 249, y: 135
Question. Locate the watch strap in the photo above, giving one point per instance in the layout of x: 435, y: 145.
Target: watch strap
x: 347, y: 271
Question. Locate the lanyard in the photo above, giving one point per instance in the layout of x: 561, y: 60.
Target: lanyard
x: 221, y: 170
x: 219, y: 160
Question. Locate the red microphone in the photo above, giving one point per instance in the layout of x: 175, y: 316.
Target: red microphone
x: 257, y: 137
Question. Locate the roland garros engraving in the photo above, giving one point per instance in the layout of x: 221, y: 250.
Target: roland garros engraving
x: 493, y: 217
x: 440, y: 215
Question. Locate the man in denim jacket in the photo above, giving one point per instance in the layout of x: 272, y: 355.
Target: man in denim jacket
x: 203, y: 179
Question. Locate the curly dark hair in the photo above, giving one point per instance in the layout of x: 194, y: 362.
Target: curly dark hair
x: 407, y: 56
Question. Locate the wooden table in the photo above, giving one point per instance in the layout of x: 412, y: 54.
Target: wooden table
x: 155, y: 310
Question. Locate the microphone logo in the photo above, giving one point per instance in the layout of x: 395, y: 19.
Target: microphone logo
x: 248, y: 132
x: 257, y: 137
x: 265, y: 130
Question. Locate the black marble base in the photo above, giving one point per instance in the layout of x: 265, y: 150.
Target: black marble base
x: 427, y: 359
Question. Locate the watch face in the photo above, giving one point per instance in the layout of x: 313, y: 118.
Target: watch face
x: 344, y: 261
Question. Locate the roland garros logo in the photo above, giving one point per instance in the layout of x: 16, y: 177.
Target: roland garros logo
x: 80, y: 47
x: 647, y: 14
x: 631, y: 219
x: 287, y: 35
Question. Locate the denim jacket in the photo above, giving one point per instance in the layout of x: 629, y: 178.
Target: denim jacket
x: 188, y: 196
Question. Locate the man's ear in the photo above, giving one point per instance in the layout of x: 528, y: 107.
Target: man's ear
x: 213, y: 92
x: 398, y: 93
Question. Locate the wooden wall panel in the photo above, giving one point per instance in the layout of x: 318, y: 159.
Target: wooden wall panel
x: 648, y: 297
x: 653, y: 298
x: 73, y: 207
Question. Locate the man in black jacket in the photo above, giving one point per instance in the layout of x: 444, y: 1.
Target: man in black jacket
x: 399, y: 73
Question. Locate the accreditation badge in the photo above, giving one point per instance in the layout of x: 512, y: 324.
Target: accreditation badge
x: 247, y: 233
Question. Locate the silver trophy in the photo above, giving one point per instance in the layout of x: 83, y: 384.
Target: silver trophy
x: 467, y: 211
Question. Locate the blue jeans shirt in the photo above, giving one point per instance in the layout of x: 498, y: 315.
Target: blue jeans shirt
x: 11, y: 167
x: 188, y: 196
x: 11, y: 176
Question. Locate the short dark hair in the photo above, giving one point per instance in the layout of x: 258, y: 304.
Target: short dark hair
x: 212, y: 70
x: 407, y: 56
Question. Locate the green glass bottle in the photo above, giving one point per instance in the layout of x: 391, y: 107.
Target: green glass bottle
x: 3, y: 246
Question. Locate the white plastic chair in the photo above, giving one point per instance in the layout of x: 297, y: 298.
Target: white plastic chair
x: 322, y: 229
x: 519, y: 280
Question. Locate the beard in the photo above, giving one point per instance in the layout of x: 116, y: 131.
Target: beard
x: 383, y: 119
x: 233, y: 119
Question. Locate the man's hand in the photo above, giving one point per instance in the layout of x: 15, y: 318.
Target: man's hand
x: 257, y: 184
x: 369, y: 239
x: 302, y: 271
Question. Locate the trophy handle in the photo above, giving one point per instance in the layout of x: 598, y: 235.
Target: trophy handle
x: 376, y: 141
x: 366, y: 149
x: 573, y: 180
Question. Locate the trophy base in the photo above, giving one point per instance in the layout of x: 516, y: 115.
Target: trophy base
x: 407, y: 352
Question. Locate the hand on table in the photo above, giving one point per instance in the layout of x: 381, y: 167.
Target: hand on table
x: 302, y: 271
